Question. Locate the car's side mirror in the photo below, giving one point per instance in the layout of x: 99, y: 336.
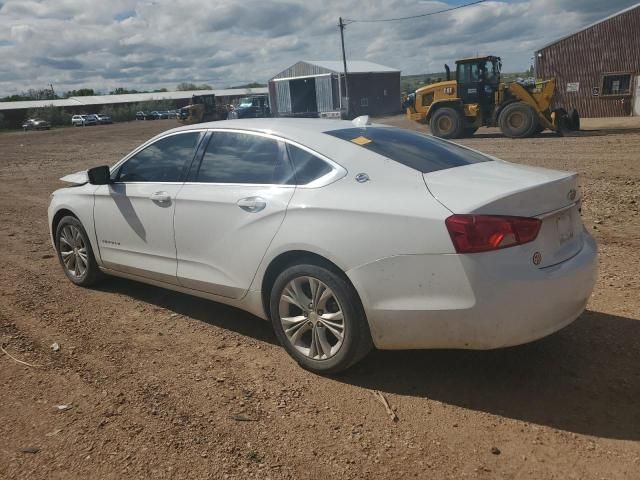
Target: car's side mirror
x: 99, y: 175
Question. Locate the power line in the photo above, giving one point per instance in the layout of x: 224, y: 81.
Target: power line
x: 348, y: 21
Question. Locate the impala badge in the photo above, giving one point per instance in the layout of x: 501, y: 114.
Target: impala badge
x: 572, y: 194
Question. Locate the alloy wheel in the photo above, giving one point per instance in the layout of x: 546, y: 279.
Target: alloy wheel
x: 312, y: 318
x: 73, y: 251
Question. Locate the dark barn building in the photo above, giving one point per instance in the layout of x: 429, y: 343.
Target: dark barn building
x: 597, y: 68
x: 317, y: 88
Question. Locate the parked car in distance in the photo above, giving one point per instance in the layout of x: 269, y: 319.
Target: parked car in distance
x: 36, y: 124
x: 172, y: 114
x: 84, y: 120
x: 104, y: 119
x: 91, y: 119
x: 256, y: 106
x: 141, y: 115
x: 345, y: 235
x: 77, y: 120
x: 155, y: 115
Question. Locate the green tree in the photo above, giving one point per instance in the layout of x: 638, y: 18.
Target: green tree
x: 122, y: 91
x: 81, y: 92
x: 251, y: 85
x: 186, y: 86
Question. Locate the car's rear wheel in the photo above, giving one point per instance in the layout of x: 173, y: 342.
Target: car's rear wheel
x: 318, y: 318
x: 75, y: 252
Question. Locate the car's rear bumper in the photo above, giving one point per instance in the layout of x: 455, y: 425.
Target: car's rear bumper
x: 477, y: 301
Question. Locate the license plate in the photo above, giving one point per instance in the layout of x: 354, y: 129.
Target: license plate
x: 565, y: 227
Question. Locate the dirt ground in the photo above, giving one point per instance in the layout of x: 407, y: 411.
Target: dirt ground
x: 163, y: 385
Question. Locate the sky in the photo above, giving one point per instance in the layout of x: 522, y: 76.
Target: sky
x: 147, y: 44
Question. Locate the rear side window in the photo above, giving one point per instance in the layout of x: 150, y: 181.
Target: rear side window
x: 307, y: 166
x: 420, y: 152
x: 162, y: 161
x: 234, y: 157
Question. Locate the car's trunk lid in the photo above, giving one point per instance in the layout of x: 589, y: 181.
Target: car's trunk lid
x: 503, y: 188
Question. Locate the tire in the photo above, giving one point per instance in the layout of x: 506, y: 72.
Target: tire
x: 562, y: 120
x: 446, y: 122
x: 70, y: 240
x: 573, y: 120
x: 518, y: 120
x: 331, y: 354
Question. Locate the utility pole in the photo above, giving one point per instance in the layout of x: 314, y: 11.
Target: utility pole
x: 344, y: 62
x: 53, y: 94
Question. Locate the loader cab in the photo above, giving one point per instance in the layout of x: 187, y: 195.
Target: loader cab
x: 478, y: 79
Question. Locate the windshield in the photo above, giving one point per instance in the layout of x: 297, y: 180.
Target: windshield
x: 424, y: 153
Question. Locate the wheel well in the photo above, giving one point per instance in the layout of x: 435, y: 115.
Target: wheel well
x: 294, y: 257
x: 60, y: 214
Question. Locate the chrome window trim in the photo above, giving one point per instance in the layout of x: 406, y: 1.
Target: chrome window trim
x: 265, y: 185
x: 337, y: 171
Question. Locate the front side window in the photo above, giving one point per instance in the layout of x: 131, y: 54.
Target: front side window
x: 420, y: 152
x: 163, y: 161
x: 234, y: 157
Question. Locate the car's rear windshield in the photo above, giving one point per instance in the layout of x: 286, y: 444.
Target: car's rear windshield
x: 420, y: 152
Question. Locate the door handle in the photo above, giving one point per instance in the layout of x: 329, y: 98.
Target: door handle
x: 160, y: 197
x: 252, y: 204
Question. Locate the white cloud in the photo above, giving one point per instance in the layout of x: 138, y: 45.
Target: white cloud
x: 149, y: 44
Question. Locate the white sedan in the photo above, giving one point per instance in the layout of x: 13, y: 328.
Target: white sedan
x: 345, y: 235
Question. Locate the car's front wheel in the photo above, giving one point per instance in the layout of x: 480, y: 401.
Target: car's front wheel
x: 318, y: 318
x: 75, y: 253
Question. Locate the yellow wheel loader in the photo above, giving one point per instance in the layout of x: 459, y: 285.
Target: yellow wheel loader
x: 477, y: 98
x: 203, y: 108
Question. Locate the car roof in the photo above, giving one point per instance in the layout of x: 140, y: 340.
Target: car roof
x: 310, y: 132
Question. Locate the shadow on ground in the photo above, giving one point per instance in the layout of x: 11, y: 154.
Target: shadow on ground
x: 196, y: 308
x: 583, y: 379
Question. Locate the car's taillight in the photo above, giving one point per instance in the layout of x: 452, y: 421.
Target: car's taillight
x: 482, y: 233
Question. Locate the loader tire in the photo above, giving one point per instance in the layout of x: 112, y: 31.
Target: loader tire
x: 573, y: 120
x: 518, y: 120
x: 446, y: 122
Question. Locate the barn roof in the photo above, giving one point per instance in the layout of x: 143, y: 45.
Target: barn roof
x: 353, y: 66
x: 312, y: 68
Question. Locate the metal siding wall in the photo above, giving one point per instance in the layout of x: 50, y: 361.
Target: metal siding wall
x: 372, y: 86
x: 610, y: 46
x: 283, y: 96
x: 324, y: 94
